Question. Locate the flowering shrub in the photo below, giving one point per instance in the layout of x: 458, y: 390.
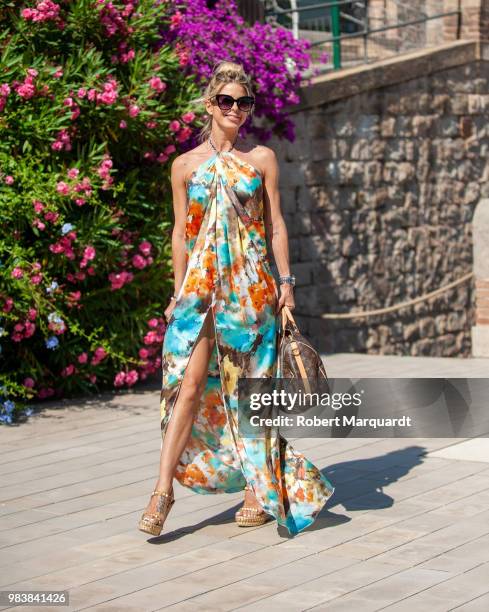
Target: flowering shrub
x: 94, y: 103
x: 92, y: 110
x: 275, y: 60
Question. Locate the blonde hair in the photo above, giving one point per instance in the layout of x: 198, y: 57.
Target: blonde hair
x: 222, y: 73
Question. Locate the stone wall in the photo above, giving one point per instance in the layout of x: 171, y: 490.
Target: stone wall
x: 378, y: 192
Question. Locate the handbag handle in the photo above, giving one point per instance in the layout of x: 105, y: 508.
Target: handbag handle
x: 286, y: 314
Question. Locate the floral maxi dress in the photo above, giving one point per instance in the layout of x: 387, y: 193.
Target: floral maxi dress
x: 228, y: 274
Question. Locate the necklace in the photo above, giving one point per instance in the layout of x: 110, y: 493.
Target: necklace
x: 232, y: 146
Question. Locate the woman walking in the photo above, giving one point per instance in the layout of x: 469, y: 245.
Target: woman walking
x: 223, y: 323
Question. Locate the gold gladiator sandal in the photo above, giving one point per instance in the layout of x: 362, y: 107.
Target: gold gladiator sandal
x: 152, y: 522
x: 248, y: 516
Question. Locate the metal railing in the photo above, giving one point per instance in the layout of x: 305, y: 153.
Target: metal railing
x: 329, y: 17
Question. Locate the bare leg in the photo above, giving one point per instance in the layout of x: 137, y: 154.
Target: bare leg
x: 184, y: 410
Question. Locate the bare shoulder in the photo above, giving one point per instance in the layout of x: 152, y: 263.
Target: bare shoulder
x: 185, y: 163
x: 266, y: 159
x: 178, y: 165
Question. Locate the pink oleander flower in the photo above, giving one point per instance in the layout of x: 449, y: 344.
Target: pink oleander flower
x: 82, y: 92
x: 171, y: 148
x: 157, y: 84
x: 110, y: 93
x: 122, y: 124
x: 134, y: 110
x: 63, y: 141
x: 184, y: 134
x: 45, y: 10
x: 188, y: 117
x: 143, y: 353
x: 36, y: 279
x: 51, y: 216
x: 68, y: 370
x: 99, y: 355
x: 82, y: 358
x: 9, y: 180
x: 29, y: 330
x: 73, y: 173
x: 162, y: 158
x: 131, y: 377
x: 139, y: 262
x: 118, y: 280
x: 45, y: 392
x: 63, y: 188
x: 9, y: 304
x: 29, y: 382
x: 38, y: 206
x: 153, y: 323
x: 92, y: 378
x: 59, y: 73
x: 80, y: 201
x: 119, y: 379
x: 145, y: 247
x: 17, y: 272
x: 32, y: 313
x: 39, y: 224
x: 89, y: 253
x: 174, y: 125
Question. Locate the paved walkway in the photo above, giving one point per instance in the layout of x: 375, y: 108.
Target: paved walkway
x: 407, y: 527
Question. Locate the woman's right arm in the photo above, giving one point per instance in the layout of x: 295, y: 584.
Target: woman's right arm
x: 179, y: 194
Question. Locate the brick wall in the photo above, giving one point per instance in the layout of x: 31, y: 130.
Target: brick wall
x: 378, y: 192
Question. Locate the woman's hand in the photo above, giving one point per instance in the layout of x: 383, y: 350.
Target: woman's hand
x: 286, y: 297
x: 169, y: 309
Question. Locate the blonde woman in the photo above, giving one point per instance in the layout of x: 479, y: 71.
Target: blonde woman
x: 223, y: 323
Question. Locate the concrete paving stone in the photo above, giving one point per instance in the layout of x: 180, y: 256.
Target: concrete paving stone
x: 479, y: 604
x: 462, y: 558
x: 394, y: 587
x: 476, y: 449
x: 230, y: 597
x: 455, y: 592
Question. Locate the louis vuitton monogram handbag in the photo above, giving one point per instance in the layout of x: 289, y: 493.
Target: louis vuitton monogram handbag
x: 297, y: 358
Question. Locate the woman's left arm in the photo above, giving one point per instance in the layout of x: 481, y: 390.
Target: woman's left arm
x: 276, y: 230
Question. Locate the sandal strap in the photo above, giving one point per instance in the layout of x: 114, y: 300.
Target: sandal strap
x: 163, y: 493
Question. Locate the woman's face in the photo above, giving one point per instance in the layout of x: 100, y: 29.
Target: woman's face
x: 234, y: 117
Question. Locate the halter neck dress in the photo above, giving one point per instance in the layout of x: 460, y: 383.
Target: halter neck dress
x: 228, y: 273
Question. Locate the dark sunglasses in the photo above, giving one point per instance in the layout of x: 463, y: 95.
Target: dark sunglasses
x: 226, y: 102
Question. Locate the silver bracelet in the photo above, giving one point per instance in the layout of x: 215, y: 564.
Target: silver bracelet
x: 287, y: 279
